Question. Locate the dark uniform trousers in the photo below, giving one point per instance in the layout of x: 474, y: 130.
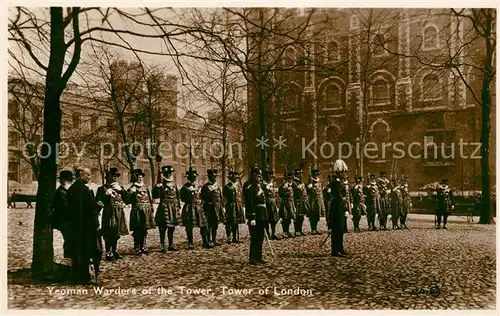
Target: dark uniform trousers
x: 337, y: 242
x: 256, y: 240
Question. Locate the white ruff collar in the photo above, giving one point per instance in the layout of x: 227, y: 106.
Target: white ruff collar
x: 139, y: 185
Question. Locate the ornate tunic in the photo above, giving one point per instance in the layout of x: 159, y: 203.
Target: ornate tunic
x: 357, y: 198
x: 406, y: 200
x: 316, y: 200
x: 272, y: 205
x: 234, y: 206
x: 372, y: 199
x: 113, y: 216
x: 445, y: 201
x: 211, y: 195
x: 142, y: 213
x: 385, y: 201
x: 192, y: 212
x: 396, y: 201
x: 300, y: 197
x: 168, y: 212
x: 287, y: 202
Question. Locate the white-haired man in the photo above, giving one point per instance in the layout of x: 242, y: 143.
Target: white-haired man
x: 340, y: 204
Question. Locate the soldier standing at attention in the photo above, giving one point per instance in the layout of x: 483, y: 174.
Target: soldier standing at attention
x: 340, y: 204
x: 287, y: 204
x: 211, y: 196
x: 61, y: 217
x: 385, y: 201
x: 445, y: 203
x: 167, y: 213
x: 255, y: 204
x: 316, y: 201
x: 372, y: 195
x: 301, y: 202
x: 406, y: 203
x: 142, y: 214
x: 358, y: 200
x: 396, y: 202
x: 193, y: 214
x: 272, y: 207
x: 114, y: 198
x: 234, y: 208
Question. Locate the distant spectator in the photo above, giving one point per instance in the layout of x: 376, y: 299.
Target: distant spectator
x: 61, y: 216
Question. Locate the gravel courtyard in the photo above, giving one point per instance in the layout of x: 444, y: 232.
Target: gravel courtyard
x: 418, y: 268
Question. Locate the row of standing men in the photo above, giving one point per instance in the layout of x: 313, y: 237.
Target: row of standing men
x: 210, y: 205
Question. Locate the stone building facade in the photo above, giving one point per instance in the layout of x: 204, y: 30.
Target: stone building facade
x: 355, y: 79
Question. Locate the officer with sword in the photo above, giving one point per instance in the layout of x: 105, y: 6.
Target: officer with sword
x: 339, y: 208
x: 256, y: 214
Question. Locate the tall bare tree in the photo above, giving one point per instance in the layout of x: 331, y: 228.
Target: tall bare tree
x: 49, y: 42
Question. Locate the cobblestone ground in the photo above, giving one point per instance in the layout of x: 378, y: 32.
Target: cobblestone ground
x: 419, y: 268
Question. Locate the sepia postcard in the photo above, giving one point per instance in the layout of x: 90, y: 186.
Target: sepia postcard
x: 250, y: 158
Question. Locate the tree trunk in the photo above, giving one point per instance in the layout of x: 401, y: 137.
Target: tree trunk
x: 43, y: 252
x: 486, y: 213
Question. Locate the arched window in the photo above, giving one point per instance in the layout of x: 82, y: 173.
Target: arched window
x: 379, y: 133
x: 331, y: 53
x: 289, y: 57
x: 332, y: 96
x: 430, y: 37
x: 431, y: 88
x: 290, y: 100
x: 381, y: 92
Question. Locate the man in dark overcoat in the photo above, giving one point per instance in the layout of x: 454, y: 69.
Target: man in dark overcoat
x: 338, y: 208
x: 85, y: 238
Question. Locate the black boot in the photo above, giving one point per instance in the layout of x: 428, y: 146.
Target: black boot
x: 170, y: 232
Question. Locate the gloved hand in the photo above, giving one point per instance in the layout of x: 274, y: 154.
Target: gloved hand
x: 109, y: 191
x: 159, y: 185
x: 133, y: 189
x: 252, y: 222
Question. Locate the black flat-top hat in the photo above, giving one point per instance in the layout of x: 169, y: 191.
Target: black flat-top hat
x: 256, y: 170
x: 445, y: 181
x: 167, y: 169
x: 315, y: 172
x: 212, y: 172
x: 382, y: 173
x: 372, y: 176
x: 66, y: 175
x: 191, y: 172
x: 113, y: 172
x: 233, y: 174
x: 138, y: 172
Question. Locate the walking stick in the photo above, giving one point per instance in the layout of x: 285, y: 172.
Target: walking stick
x: 269, y: 243
x: 328, y: 236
